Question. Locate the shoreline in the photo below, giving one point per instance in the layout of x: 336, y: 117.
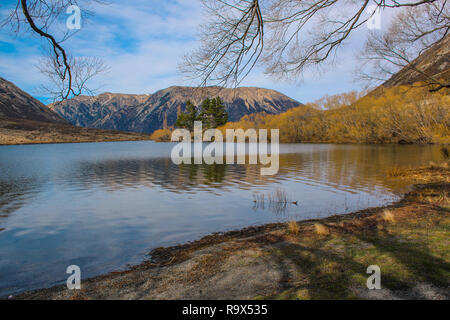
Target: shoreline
x: 29, y: 132
x: 145, y: 138
x: 70, y: 142
x: 215, y: 266
x: 126, y: 139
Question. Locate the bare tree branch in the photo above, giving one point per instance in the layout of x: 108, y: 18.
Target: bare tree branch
x: 412, y: 32
x: 286, y: 37
x: 231, y: 44
x: 64, y: 71
x: 83, y: 69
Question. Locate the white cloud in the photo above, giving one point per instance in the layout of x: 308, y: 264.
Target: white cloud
x: 143, y: 42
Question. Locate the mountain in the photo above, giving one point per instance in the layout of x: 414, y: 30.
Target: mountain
x: 86, y: 111
x: 17, y: 104
x: 25, y: 120
x: 147, y: 113
x: 433, y: 62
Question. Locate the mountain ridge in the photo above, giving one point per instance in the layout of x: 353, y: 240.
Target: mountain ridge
x: 150, y: 112
x: 25, y: 120
x: 434, y: 62
x: 17, y: 104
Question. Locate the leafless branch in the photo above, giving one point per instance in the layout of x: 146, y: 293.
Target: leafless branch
x: 83, y: 69
x: 285, y: 37
x: 40, y: 16
x: 413, y: 31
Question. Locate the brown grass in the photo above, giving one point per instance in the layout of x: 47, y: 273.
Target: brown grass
x: 13, y: 131
x: 321, y: 230
x: 395, y: 172
x: 435, y: 172
x: 162, y: 135
x: 293, y: 227
x: 388, y: 216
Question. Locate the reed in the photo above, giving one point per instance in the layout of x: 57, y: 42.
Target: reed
x: 321, y: 230
x: 293, y: 227
x: 388, y: 216
x: 395, y: 172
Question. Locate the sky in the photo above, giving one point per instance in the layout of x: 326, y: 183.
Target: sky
x: 143, y: 42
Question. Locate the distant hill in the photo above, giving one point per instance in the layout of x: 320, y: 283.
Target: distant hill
x: 25, y: 120
x: 147, y: 113
x: 17, y: 104
x: 433, y: 62
x: 86, y: 111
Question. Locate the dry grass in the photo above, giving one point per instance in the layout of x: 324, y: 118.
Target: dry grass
x: 162, y: 135
x: 395, y: 172
x: 442, y: 165
x: 14, y: 131
x: 431, y: 174
x: 78, y: 296
x: 321, y: 230
x: 293, y: 227
x: 388, y: 216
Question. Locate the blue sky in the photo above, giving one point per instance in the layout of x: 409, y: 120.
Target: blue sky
x: 142, y: 42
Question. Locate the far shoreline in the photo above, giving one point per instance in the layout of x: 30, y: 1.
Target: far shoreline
x: 29, y: 132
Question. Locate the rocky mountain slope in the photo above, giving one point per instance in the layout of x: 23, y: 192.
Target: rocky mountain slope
x: 86, y: 111
x: 147, y: 113
x: 19, y: 105
x: 25, y: 120
x: 433, y: 62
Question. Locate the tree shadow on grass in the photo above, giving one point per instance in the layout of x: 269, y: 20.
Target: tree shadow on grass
x: 329, y: 275
x: 415, y: 257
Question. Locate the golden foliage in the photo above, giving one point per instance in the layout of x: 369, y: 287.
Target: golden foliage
x: 161, y: 135
x: 400, y: 114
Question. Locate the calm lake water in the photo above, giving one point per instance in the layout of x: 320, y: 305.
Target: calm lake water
x: 103, y: 206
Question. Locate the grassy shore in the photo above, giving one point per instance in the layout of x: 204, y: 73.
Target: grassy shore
x: 14, y: 132
x: 316, y: 259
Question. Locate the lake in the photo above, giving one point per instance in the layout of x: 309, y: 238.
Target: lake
x: 104, y: 206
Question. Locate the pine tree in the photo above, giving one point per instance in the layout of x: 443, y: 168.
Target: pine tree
x: 186, y: 120
x: 205, y: 113
x: 220, y: 113
x: 213, y: 113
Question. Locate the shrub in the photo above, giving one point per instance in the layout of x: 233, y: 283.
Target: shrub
x: 162, y: 135
x: 402, y: 114
x: 321, y: 230
x: 293, y: 227
x: 388, y: 216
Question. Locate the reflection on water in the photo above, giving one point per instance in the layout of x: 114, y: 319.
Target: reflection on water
x: 105, y: 205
